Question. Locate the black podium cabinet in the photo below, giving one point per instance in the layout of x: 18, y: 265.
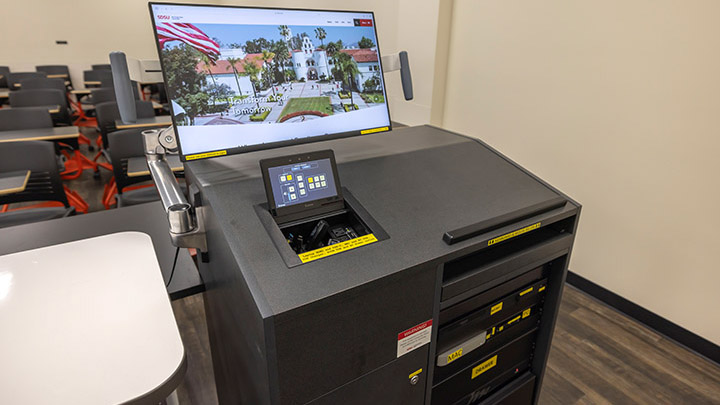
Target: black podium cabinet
x: 453, y: 302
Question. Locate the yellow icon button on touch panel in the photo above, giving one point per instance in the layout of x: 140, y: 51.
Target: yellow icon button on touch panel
x: 310, y: 179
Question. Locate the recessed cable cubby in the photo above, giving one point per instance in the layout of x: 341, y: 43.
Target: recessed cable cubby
x: 498, y: 305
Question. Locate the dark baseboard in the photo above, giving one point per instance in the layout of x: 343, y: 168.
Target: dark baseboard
x: 696, y: 343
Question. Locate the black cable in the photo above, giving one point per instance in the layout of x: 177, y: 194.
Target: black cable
x: 172, y: 272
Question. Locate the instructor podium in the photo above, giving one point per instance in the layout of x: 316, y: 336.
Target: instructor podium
x: 455, y: 305
x: 441, y: 280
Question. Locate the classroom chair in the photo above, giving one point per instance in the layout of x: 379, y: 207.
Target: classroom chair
x: 5, y: 73
x: 128, y: 143
x: 103, y: 77
x: 56, y: 70
x: 104, y: 94
x: 101, y: 67
x: 30, y: 118
x: 107, y: 113
x: 15, y: 78
x: 44, y: 185
x: 57, y: 84
x: 12, y: 119
x: 43, y: 83
x: 43, y: 97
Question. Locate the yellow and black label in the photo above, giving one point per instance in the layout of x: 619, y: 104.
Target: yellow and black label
x: 512, y: 321
x: 454, y: 355
x: 526, y: 291
x: 496, y: 308
x: 484, y: 366
x: 373, y: 130
x: 415, y: 373
x: 541, y: 289
x: 337, y: 248
x: 526, y: 313
x: 513, y: 234
x: 206, y: 155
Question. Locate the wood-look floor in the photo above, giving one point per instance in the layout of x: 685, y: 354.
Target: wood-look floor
x: 598, y: 356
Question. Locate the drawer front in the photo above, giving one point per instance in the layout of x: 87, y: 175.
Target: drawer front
x: 488, y: 373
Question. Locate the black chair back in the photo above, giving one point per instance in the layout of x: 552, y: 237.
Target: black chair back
x: 107, y: 113
x: 102, y: 95
x: 43, y: 83
x: 12, y: 119
x: 102, y: 76
x: 126, y: 143
x: 44, y: 183
x: 5, y: 73
x: 54, y: 69
x: 101, y: 67
x: 14, y: 78
x: 43, y: 97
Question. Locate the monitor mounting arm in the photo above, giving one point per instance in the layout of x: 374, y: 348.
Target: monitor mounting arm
x: 186, y: 223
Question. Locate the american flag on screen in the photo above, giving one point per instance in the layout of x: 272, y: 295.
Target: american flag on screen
x: 190, y: 35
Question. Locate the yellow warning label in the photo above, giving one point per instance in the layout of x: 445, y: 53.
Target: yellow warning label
x: 541, y: 289
x: 496, y: 308
x: 513, y: 234
x: 500, y: 329
x: 337, y: 248
x: 454, y: 355
x: 526, y: 291
x: 526, y: 313
x: 517, y: 318
x: 372, y: 131
x: 206, y: 155
x: 415, y: 373
x: 484, y: 366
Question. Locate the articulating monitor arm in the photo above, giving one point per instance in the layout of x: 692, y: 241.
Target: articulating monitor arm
x: 186, y: 225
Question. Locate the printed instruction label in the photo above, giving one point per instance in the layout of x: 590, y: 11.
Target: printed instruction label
x: 513, y: 234
x: 413, y: 338
x: 337, y: 248
x: 206, y: 155
x: 374, y: 130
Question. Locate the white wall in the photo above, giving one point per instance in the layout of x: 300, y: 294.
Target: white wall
x: 94, y: 28
x: 617, y: 103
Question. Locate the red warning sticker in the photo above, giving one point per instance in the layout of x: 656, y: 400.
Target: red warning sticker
x: 415, y: 337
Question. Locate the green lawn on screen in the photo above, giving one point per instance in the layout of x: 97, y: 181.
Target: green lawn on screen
x: 321, y: 104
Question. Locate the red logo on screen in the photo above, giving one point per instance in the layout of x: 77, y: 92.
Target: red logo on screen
x: 163, y: 17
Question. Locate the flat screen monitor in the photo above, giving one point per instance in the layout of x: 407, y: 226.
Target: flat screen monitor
x: 244, y: 78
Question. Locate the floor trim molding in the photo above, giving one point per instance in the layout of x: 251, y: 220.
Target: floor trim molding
x: 661, y: 325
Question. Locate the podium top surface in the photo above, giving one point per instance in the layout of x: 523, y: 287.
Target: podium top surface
x: 416, y: 182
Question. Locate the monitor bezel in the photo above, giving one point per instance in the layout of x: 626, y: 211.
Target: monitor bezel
x: 271, y: 145
x: 319, y: 206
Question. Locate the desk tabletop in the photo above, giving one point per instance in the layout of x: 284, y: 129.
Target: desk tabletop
x: 4, y: 93
x: 161, y: 121
x: 88, y: 336
x: 13, y: 182
x: 58, y: 76
x: 80, y: 91
x: 148, y: 218
x: 137, y: 166
x: 93, y: 83
x: 39, y: 134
